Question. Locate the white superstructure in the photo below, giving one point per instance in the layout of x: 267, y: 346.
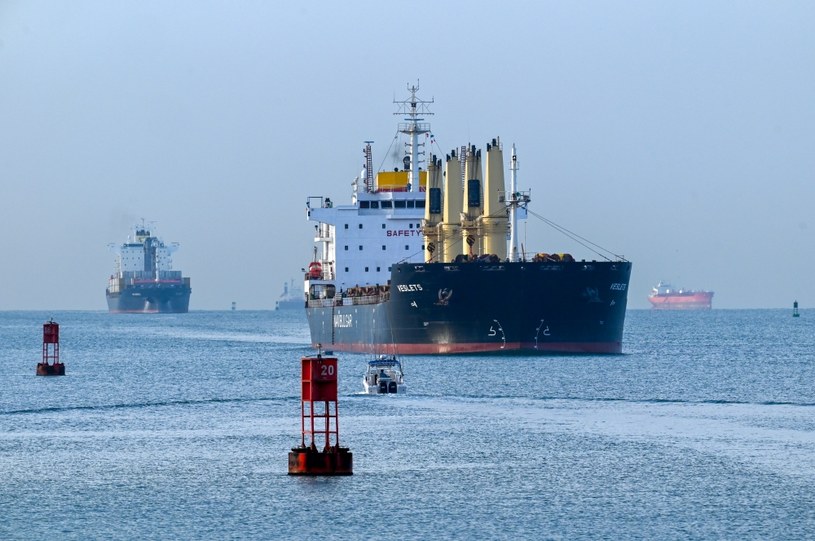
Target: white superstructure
x: 144, y: 255
x: 378, y: 230
x: 358, y: 243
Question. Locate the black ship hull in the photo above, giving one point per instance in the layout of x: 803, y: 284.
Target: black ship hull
x: 440, y: 308
x: 156, y: 298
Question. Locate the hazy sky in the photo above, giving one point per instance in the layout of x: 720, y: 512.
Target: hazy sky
x: 679, y: 134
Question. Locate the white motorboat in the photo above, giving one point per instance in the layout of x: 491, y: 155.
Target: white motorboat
x: 384, y: 376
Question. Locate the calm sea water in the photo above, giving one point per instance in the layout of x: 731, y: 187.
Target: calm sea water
x: 178, y: 427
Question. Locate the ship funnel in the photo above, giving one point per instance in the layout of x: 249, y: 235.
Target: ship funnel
x: 494, y: 222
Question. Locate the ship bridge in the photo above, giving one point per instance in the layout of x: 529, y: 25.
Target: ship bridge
x: 358, y: 243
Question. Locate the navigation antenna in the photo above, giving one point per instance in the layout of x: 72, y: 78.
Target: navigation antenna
x: 413, y: 108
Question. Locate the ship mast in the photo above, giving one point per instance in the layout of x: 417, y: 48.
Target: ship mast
x: 515, y: 200
x: 413, y: 126
x: 513, y: 215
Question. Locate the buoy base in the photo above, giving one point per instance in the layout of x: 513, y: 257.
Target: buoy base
x: 45, y: 369
x: 310, y: 461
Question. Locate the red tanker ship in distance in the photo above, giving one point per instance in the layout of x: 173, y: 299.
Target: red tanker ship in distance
x: 666, y: 297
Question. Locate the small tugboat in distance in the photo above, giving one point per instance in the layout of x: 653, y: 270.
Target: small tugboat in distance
x: 666, y: 297
x: 384, y: 376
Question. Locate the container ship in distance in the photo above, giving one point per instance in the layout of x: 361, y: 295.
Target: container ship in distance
x: 291, y: 298
x: 143, y: 280
x: 666, y: 297
x: 418, y: 262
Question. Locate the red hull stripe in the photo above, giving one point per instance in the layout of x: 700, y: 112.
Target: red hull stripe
x: 682, y: 307
x: 479, y: 347
x: 696, y: 299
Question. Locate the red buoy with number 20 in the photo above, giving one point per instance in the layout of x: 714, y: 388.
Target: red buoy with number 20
x: 319, y: 452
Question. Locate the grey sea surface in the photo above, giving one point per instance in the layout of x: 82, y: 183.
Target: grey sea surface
x: 179, y: 426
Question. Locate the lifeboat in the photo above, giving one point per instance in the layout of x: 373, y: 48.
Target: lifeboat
x: 315, y: 270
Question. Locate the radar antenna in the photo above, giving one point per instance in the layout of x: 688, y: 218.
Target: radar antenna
x: 413, y: 109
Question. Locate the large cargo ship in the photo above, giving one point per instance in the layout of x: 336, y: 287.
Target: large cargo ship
x: 425, y: 260
x: 143, y: 280
x: 666, y: 297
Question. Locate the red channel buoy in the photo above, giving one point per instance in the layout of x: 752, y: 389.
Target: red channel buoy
x: 319, y: 419
x: 50, y: 365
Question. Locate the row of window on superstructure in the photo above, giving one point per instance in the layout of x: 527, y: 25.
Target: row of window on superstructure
x: 410, y: 226
x: 398, y: 204
x: 384, y: 247
x: 378, y: 269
